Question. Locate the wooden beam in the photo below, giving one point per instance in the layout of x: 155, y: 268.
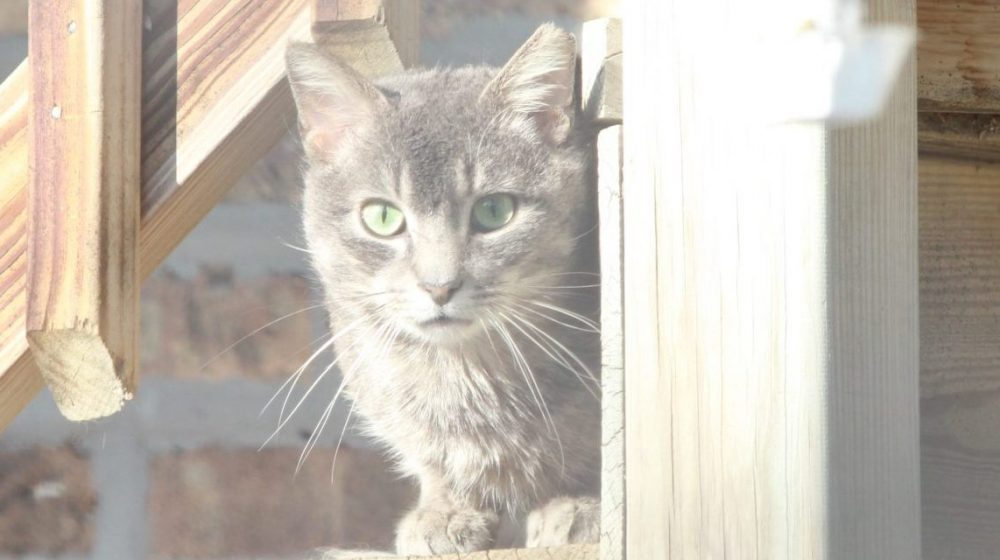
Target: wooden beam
x: 83, y: 206
x: 960, y: 357
x: 968, y: 136
x: 377, y: 37
x: 215, y: 100
x: 601, y: 71
x: 770, y: 320
x: 609, y: 204
x: 959, y: 56
x: 569, y: 552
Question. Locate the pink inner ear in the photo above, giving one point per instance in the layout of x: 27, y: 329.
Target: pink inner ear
x: 327, y: 125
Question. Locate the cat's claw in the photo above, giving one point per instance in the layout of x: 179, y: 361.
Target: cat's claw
x: 564, y: 521
x: 438, y: 531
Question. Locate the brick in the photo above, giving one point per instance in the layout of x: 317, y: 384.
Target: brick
x: 47, y: 501
x: 215, y: 503
x: 188, y: 325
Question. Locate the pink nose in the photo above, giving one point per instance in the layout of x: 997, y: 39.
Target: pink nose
x: 441, y: 293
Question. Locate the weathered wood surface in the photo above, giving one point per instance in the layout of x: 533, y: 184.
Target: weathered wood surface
x: 960, y: 357
x: 771, y: 312
x: 601, y: 70
x: 214, y: 68
x: 959, y: 56
x: 375, y: 36
x: 609, y: 179
x: 569, y: 552
x: 83, y: 202
x: 969, y: 136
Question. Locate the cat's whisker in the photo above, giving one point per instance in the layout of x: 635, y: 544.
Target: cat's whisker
x: 556, y: 353
x: 283, y: 420
x: 255, y: 331
x: 553, y: 319
x: 585, y: 234
x: 383, y: 340
x: 297, y: 248
x: 563, y: 311
x: 340, y: 441
x: 529, y: 378
x: 563, y: 353
x: 293, y: 379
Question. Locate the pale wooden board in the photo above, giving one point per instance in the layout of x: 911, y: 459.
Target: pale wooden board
x: 770, y: 321
x: 960, y: 358
x: 83, y: 205
x: 568, y: 552
x: 226, y: 87
x: 959, y: 55
x: 609, y: 164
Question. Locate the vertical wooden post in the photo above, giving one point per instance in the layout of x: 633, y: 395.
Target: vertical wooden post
x: 82, y: 317
x: 770, y: 311
x: 600, y: 98
x: 376, y: 37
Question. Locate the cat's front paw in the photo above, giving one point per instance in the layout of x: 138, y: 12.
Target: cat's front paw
x: 564, y: 521
x: 442, y: 531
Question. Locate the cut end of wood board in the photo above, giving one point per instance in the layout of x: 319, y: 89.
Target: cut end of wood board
x: 86, y: 382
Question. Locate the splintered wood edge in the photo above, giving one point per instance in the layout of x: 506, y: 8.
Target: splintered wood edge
x: 601, y: 70
x: 81, y: 373
x: 567, y: 552
x: 375, y: 37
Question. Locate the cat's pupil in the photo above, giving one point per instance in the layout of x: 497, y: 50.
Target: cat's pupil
x: 492, y: 207
x: 385, y: 213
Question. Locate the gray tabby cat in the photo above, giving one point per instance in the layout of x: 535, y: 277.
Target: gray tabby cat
x: 450, y: 218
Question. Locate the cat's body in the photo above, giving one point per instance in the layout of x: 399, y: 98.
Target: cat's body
x: 450, y: 218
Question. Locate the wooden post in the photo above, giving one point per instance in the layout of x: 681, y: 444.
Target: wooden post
x: 375, y: 37
x: 601, y: 102
x: 770, y: 316
x: 83, y: 203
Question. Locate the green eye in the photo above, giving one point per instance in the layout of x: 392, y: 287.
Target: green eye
x: 492, y: 212
x: 381, y: 218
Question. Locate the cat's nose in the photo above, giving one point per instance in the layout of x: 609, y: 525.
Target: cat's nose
x: 441, y: 293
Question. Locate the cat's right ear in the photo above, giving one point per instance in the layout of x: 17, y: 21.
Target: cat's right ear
x: 335, y: 103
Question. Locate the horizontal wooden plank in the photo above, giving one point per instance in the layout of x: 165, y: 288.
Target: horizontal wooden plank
x: 958, y: 56
x: 971, y: 136
x: 569, y: 552
x: 960, y: 357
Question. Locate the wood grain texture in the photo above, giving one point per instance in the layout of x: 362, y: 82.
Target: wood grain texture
x: 376, y: 37
x: 970, y: 136
x: 960, y: 357
x: 569, y: 552
x: 609, y: 179
x: 83, y: 202
x: 959, y: 55
x: 215, y: 100
x: 770, y: 313
x: 601, y: 70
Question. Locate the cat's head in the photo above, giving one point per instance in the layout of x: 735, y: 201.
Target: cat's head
x: 437, y: 199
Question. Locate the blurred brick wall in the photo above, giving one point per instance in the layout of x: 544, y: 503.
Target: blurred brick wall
x: 178, y: 474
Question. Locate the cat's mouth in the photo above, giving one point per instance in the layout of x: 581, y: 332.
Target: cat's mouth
x: 444, y: 321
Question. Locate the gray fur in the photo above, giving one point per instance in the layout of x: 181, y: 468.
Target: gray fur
x: 487, y: 437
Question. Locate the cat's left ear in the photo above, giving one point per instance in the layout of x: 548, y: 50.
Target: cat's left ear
x: 537, y: 83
